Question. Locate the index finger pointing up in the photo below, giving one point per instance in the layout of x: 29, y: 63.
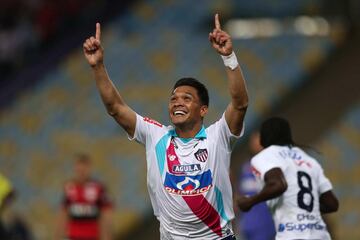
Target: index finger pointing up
x: 98, y: 31
x: 217, y: 22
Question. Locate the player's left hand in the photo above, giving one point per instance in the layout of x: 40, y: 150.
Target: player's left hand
x: 220, y: 40
x: 244, y: 203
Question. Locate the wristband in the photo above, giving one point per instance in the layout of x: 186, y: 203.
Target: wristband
x: 230, y: 61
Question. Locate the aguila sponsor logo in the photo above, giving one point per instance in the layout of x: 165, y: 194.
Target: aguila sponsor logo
x: 186, y: 168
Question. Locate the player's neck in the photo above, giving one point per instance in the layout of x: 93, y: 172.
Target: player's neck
x: 188, y: 132
x: 81, y: 180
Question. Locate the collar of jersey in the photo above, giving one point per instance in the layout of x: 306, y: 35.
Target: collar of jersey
x: 200, y: 135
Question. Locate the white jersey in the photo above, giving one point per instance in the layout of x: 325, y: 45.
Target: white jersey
x: 296, y: 212
x: 188, y: 179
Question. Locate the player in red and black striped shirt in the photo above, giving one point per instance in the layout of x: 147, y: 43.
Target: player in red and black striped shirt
x: 86, y: 209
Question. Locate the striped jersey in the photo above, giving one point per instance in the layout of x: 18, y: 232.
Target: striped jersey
x: 188, y: 179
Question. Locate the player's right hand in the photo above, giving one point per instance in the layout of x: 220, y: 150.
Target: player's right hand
x: 93, y: 51
x: 220, y: 40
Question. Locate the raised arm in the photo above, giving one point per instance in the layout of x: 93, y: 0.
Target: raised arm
x: 235, y: 112
x: 114, y: 103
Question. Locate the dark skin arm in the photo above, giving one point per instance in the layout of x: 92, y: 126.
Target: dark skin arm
x: 275, y: 185
x: 328, y: 202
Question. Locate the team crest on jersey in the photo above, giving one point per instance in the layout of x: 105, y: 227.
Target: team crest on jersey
x: 201, y: 155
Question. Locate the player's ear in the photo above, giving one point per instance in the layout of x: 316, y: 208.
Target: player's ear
x: 203, y: 110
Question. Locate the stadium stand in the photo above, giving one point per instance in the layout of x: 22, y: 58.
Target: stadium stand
x: 341, y: 146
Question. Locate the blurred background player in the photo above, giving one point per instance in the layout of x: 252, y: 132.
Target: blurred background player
x: 294, y: 185
x: 86, y: 209
x: 7, y: 194
x: 257, y: 223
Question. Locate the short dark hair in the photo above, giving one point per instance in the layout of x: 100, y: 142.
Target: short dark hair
x: 83, y: 158
x: 275, y: 131
x: 200, y: 88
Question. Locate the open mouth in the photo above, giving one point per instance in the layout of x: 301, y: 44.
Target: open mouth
x: 179, y: 113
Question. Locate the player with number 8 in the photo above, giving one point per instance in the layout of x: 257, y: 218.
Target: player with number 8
x: 293, y: 184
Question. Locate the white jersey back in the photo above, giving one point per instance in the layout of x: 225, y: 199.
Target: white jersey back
x: 296, y: 212
x: 188, y: 179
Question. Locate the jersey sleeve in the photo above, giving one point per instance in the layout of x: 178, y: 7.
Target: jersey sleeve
x: 221, y: 132
x: 64, y: 201
x: 324, y: 183
x: 145, y: 127
x: 264, y: 162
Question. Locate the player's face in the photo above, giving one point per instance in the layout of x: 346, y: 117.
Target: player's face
x: 185, y: 107
x: 82, y: 170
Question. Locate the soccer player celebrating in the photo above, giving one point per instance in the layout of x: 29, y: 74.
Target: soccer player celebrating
x: 256, y: 224
x: 294, y: 185
x: 188, y: 164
